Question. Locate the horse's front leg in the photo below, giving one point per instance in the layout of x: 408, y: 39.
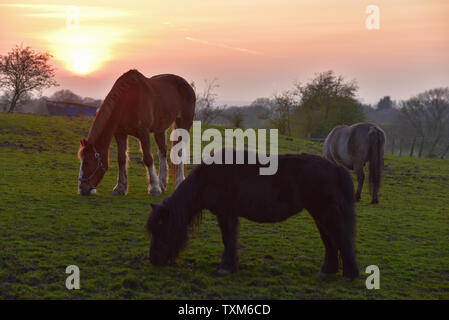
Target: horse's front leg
x: 339, y: 230
x: 229, y: 233
x: 330, y: 265
x: 163, y: 165
x: 154, y: 188
x: 122, y: 179
x: 180, y: 167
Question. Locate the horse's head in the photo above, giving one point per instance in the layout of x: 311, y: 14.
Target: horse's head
x: 92, y: 168
x: 166, y: 242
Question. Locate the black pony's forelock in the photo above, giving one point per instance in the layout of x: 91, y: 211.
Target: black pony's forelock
x: 183, y: 217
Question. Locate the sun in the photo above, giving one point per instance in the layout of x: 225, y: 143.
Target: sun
x: 81, y: 65
x: 84, y: 50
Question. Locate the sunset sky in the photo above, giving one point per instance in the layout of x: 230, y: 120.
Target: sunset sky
x: 254, y: 48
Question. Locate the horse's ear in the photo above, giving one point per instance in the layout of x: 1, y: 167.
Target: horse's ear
x: 154, y: 205
x: 83, y: 142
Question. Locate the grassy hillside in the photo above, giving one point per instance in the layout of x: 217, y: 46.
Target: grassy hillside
x: 46, y: 226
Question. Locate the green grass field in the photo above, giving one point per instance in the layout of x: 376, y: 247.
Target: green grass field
x: 46, y: 226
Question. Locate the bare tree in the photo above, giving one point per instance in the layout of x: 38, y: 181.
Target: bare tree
x: 23, y: 71
x: 428, y: 114
x: 206, y: 108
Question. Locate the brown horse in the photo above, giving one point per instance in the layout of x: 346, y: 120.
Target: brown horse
x: 354, y: 146
x: 136, y: 106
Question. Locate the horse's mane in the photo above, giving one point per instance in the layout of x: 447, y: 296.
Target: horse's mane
x: 118, y: 91
x: 184, y: 211
x: 183, y: 202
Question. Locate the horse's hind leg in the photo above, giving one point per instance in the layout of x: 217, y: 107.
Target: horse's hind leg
x: 340, y: 228
x: 374, y: 197
x: 330, y: 264
x: 154, y: 188
x: 374, y: 188
x: 229, y: 233
x: 122, y: 180
x: 162, y: 152
x: 358, y: 169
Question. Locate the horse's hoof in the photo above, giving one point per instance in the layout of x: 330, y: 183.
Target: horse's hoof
x: 223, y: 272
x: 118, y: 192
x: 324, y: 275
x: 349, y: 279
x: 163, y: 185
x: 155, y: 192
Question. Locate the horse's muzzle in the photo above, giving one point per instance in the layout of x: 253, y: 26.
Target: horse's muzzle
x: 87, y: 191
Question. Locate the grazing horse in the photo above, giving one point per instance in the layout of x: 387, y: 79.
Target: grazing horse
x: 231, y: 191
x: 353, y: 146
x: 136, y: 106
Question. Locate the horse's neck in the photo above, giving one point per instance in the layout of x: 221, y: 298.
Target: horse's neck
x: 103, y: 130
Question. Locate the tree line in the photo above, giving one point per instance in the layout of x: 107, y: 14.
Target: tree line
x: 418, y: 126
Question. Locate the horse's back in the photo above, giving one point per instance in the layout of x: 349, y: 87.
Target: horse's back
x: 174, y: 87
x: 171, y: 97
x: 361, y: 137
x: 316, y: 177
x: 301, y: 181
x: 169, y: 84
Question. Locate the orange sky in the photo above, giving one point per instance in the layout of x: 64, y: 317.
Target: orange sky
x: 253, y: 47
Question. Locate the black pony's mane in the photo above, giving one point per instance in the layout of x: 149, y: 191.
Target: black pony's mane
x: 183, y: 202
x: 184, y: 213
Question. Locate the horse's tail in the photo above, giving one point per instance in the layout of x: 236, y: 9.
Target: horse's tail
x: 376, y: 139
x: 348, y: 224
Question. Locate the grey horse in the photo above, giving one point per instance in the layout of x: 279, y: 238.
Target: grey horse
x: 354, y: 146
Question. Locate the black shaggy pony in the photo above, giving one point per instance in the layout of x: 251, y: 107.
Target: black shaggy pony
x: 302, y: 181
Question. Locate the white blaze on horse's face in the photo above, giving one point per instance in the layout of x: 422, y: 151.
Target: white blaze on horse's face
x: 80, y: 176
